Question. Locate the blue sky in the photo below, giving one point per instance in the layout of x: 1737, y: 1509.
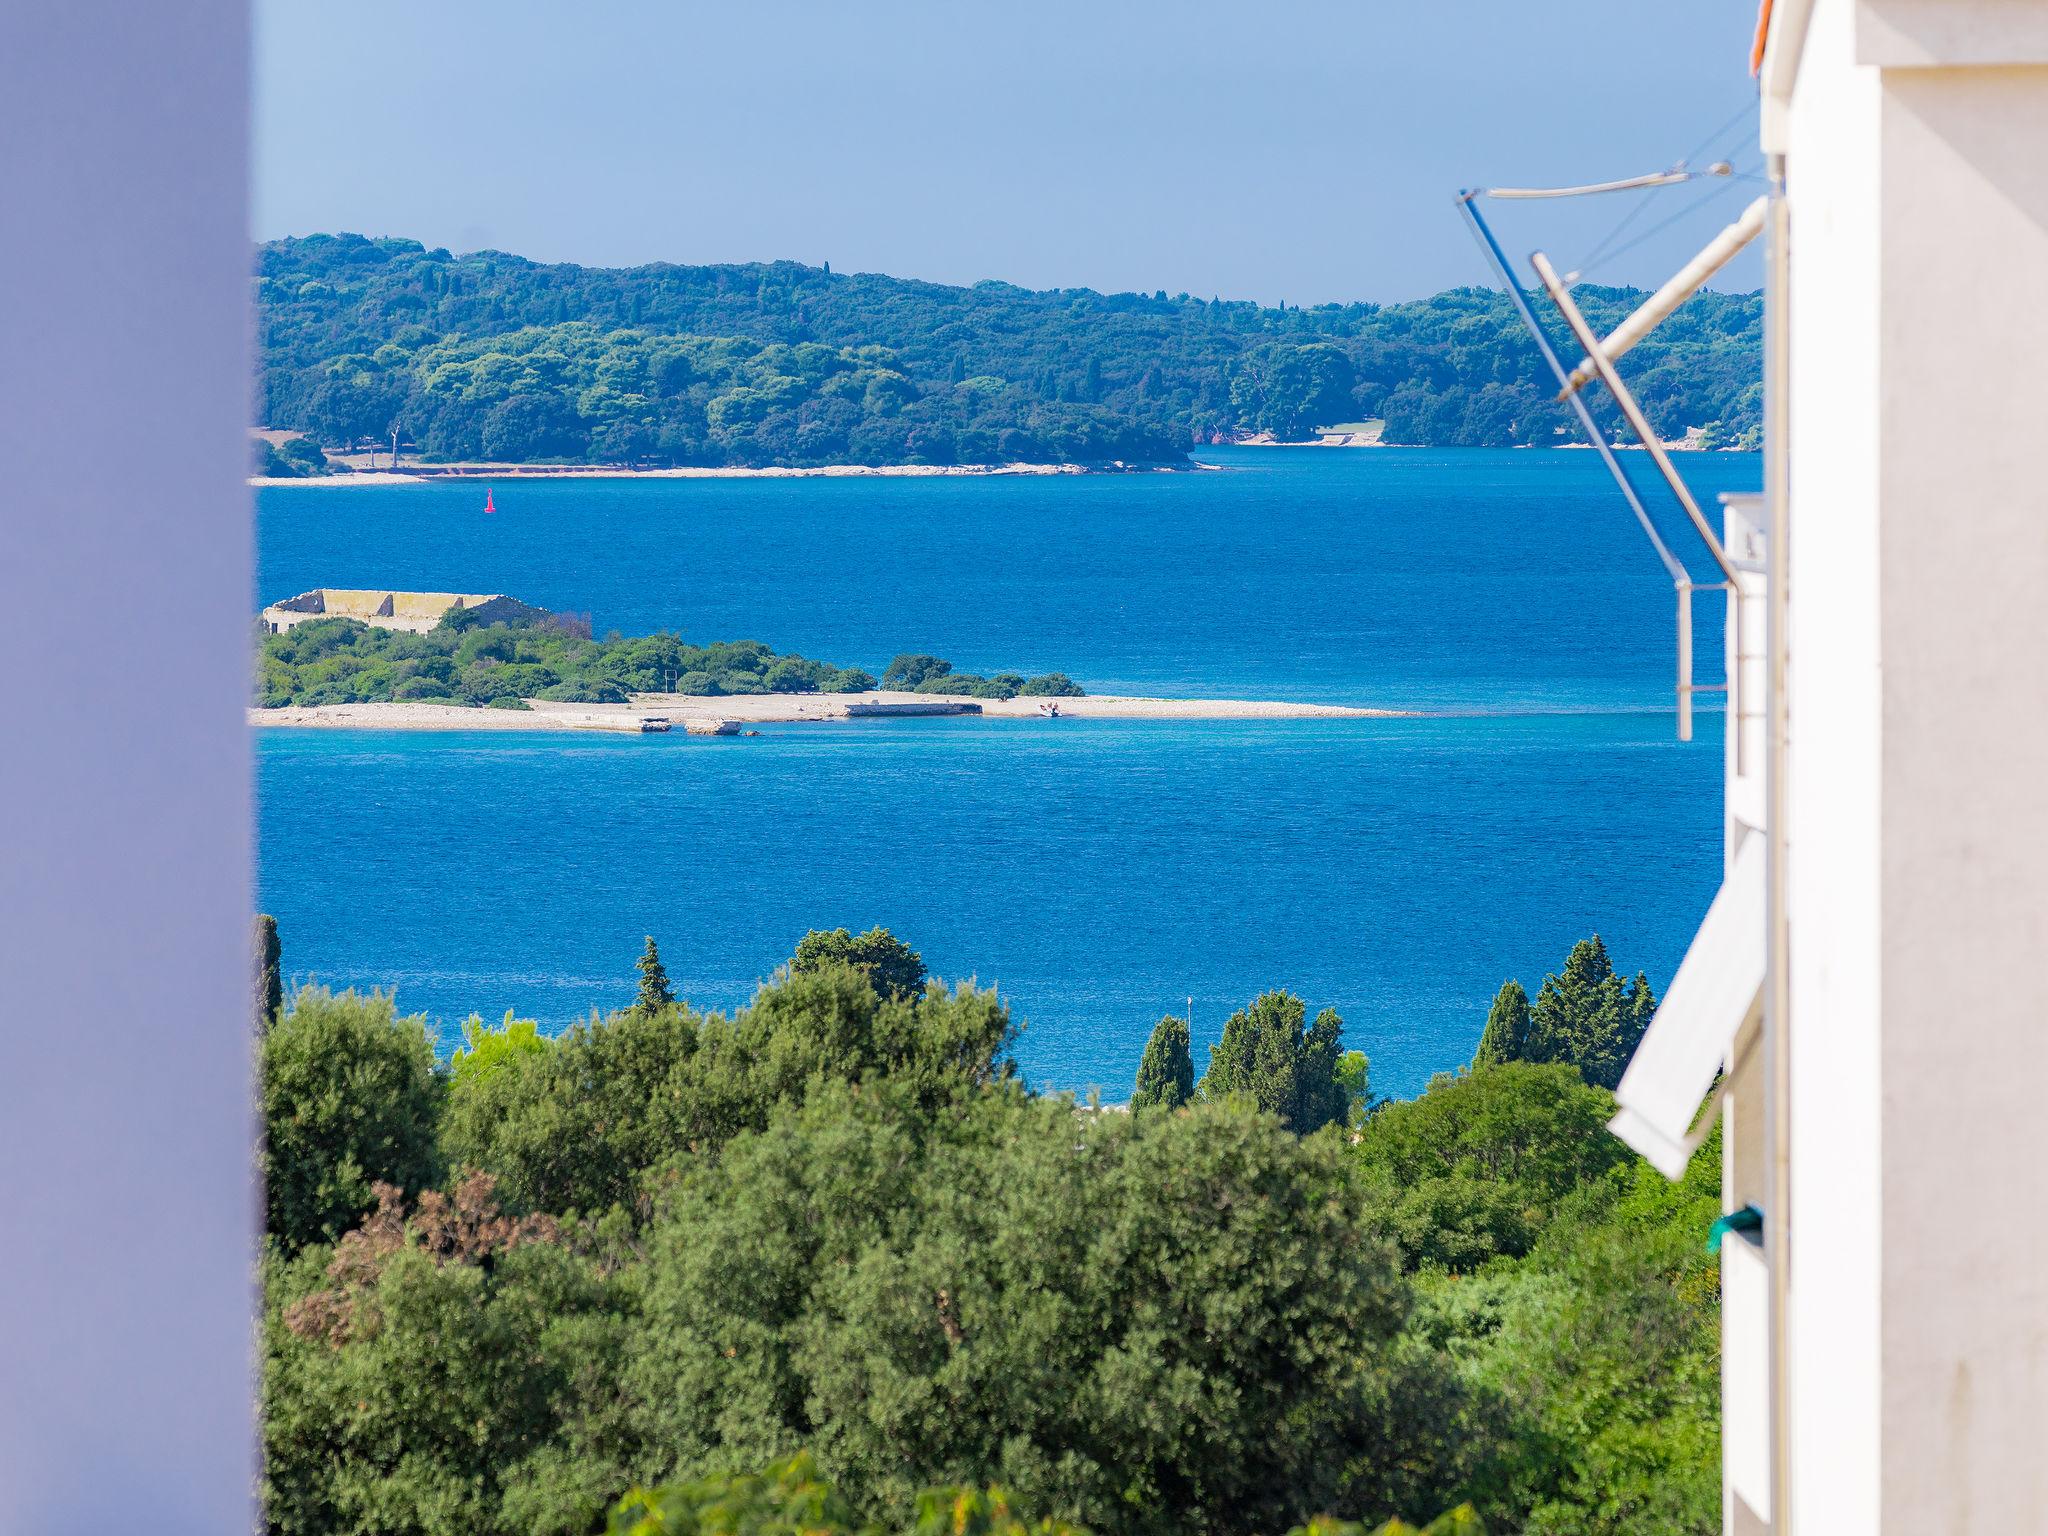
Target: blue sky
x: 1283, y: 150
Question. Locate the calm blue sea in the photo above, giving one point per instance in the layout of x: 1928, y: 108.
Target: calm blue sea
x: 1101, y: 872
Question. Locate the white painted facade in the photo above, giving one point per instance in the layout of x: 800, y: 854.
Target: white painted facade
x: 1885, y: 1116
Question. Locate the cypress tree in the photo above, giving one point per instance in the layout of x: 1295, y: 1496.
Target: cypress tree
x: 1564, y: 1024
x: 1255, y: 1057
x: 655, y: 992
x: 1639, y: 1006
x: 1269, y: 1054
x: 269, y: 974
x: 1586, y: 1017
x: 1320, y: 1097
x: 1506, y: 1036
x: 1166, y: 1074
x: 1588, y: 964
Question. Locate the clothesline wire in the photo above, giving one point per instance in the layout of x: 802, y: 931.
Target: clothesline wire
x: 1743, y: 113
x: 1690, y: 209
x: 1600, y: 252
x: 1593, y: 256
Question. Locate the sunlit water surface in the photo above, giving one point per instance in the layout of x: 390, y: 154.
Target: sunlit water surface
x: 1100, y: 872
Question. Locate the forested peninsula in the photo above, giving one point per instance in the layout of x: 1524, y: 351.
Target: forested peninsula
x: 492, y: 357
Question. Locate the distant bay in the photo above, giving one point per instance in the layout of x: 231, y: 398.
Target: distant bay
x: 1102, y: 872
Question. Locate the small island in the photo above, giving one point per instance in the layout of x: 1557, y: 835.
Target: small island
x: 469, y: 661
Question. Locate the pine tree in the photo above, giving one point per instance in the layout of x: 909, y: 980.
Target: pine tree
x: 892, y: 967
x: 269, y: 975
x: 655, y: 992
x: 1506, y: 1036
x: 1166, y: 1074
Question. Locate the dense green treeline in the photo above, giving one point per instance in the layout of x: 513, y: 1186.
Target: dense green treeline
x: 492, y: 356
x: 791, y: 1499
x: 499, y: 665
x: 798, y: 1267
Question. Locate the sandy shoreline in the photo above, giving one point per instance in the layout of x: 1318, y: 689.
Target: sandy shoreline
x: 615, y: 472
x: 774, y: 709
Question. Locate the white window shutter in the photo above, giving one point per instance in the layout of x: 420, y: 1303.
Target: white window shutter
x: 1683, y: 1050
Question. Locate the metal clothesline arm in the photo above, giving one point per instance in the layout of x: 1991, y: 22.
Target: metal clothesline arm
x: 1687, y: 281
x: 1639, y: 423
x: 1491, y: 249
x: 1681, y: 579
x: 1626, y: 184
x: 1633, y: 413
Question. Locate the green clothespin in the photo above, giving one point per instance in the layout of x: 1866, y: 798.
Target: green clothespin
x: 1748, y: 1219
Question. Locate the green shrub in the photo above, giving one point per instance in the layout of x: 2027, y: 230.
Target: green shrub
x: 1477, y: 1166
x: 908, y: 671
x: 576, y: 1125
x: 350, y: 1098
x: 1107, y: 1315
x: 424, y: 690
x: 306, y: 454
x: 1056, y: 685
x: 485, y: 1050
x: 792, y: 1499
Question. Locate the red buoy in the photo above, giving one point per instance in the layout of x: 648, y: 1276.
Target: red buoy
x: 489, y: 504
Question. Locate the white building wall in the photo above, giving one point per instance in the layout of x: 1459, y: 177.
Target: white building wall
x: 1964, y: 584
x: 1834, y: 787
x: 1918, y: 777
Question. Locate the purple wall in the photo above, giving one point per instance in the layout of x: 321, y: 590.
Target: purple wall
x: 127, y: 1210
